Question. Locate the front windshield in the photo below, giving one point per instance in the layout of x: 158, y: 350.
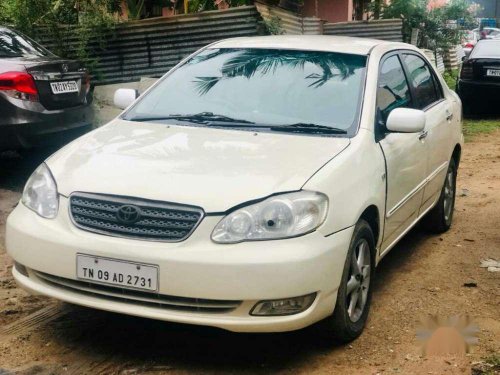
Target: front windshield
x: 262, y: 86
x: 13, y: 44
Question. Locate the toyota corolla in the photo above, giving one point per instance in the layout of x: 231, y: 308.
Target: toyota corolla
x: 254, y: 187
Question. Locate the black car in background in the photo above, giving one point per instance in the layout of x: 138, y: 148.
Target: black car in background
x: 44, y: 99
x: 479, y: 81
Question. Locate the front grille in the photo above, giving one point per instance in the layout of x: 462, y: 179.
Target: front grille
x: 112, y: 293
x: 134, y: 218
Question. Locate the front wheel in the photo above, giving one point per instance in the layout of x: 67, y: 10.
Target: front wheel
x: 439, y: 219
x: 354, y: 294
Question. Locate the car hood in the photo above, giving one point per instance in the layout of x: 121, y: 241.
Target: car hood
x: 215, y: 169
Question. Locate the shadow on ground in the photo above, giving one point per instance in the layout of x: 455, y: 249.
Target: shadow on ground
x: 17, y: 166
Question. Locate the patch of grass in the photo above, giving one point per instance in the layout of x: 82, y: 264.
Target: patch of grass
x: 490, y: 366
x: 450, y: 76
x: 473, y: 127
x: 494, y: 360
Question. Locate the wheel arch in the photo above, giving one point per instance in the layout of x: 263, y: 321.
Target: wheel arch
x: 371, y: 215
x: 456, y: 155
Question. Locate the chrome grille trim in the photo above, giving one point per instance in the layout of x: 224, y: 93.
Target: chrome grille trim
x: 138, y: 297
x: 159, y: 221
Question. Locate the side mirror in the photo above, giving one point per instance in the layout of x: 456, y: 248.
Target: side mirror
x: 406, y: 120
x: 124, y: 97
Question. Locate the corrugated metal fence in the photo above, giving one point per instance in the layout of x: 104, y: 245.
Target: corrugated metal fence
x: 151, y: 47
x: 451, y: 59
x: 289, y: 22
x: 376, y: 29
x: 436, y: 59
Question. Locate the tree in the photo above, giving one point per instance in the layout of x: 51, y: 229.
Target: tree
x: 441, y: 23
x: 90, y: 21
x: 27, y: 15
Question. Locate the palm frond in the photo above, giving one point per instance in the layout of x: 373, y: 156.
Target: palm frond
x: 247, y: 63
x: 205, y: 84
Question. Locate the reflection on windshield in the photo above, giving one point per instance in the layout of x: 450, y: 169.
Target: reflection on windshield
x: 249, y: 62
x: 269, y: 87
x: 13, y: 45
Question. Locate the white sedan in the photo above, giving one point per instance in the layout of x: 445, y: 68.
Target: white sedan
x: 254, y: 187
x: 475, y: 35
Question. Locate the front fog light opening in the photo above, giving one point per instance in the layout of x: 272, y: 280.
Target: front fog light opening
x: 285, y: 306
x: 21, y: 269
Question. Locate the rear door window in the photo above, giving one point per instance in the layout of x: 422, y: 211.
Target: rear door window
x: 425, y: 88
x: 393, y: 91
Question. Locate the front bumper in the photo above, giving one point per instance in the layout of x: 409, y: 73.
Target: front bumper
x: 196, y: 268
x: 28, y: 124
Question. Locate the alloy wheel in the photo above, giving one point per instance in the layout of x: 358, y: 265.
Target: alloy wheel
x: 358, y: 283
x: 449, y: 195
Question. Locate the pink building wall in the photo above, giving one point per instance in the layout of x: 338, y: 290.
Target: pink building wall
x: 329, y: 10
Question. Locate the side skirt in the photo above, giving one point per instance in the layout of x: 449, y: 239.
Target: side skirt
x: 388, y: 248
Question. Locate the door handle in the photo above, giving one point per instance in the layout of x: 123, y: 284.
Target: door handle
x: 422, y: 135
x: 449, y: 115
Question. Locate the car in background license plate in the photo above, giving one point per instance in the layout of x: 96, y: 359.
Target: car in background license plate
x: 493, y: 72
x: 121, y: 273
x: 64, y: 87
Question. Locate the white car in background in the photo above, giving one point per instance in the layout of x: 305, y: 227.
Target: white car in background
x: 474, y: 36
x: 254, y: 187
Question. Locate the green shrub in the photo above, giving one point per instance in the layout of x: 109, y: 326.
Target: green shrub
x: 436, y: 21
x: 89, y: 20
x: 450, y: 76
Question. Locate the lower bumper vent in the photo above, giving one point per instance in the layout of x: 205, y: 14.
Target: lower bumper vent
x: 138, y: 297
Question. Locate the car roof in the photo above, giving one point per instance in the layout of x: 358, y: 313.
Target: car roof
x: 5, y: 28
x: 487, y: 28
x: 326, y: 43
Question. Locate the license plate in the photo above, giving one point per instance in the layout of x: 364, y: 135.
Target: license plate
x: 64, y: 87
x: 493, y: 72
x: 121, y: 273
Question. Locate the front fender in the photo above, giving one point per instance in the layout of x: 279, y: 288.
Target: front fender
x: 354, y: 180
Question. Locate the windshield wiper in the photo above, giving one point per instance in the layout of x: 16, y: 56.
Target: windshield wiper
x: 198, y: 118
x: 211, y: 119
x: 297, y: 128
x: 302, y: 127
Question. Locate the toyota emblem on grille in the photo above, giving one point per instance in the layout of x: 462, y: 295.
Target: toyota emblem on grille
x: 128, y: 214
x: 65, y: 68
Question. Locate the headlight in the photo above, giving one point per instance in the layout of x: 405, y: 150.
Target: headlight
x: 281, y: 216
x: 40, y: 193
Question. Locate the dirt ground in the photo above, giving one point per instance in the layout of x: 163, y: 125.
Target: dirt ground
x: 424, y: 274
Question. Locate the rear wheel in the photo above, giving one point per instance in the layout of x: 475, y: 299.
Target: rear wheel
x: 439, y: 219
x: 354, y: 294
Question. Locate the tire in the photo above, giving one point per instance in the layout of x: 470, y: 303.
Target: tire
x: 439, y: 219
x: 347, y: 324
